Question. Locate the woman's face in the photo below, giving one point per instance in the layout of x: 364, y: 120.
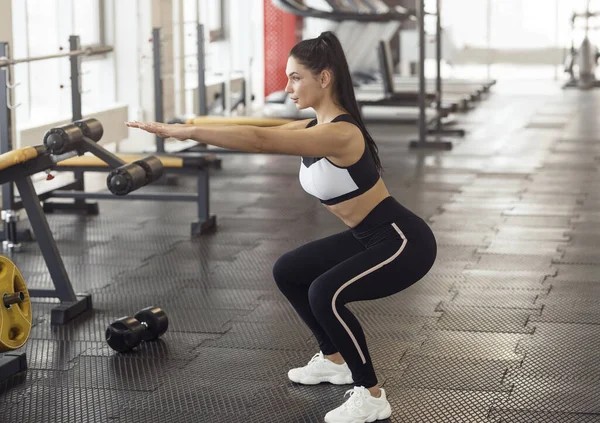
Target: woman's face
x: 302, y: 87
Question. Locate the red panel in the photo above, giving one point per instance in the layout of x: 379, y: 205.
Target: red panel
x: 280, y: 36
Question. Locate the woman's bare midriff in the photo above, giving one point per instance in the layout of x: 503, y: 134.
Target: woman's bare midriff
x: 353, y: 211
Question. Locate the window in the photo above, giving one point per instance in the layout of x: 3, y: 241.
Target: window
x: 41, y: 28
x: 495, y: 31
x: 87, y: 21
x: 211, y: 14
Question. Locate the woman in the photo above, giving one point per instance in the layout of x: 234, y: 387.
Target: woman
x: 386, y: 247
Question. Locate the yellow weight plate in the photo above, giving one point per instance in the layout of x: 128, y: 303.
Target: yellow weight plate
x: 15, y: 320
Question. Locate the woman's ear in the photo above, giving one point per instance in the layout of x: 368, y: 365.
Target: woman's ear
x: 326, y: 78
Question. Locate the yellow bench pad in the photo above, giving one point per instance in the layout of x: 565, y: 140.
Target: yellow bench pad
x: 14, y: 157
x: 128, y: 158
x: 236, y: 120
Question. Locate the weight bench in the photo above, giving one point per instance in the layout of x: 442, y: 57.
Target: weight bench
x: 392, y: 98
x: 190, y: 164
x: 60, y: 149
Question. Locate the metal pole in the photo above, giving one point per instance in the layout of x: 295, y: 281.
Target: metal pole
x: 44, y: 238
x: 6, y: 145
x: 203, y: 200
x: 224, y: 97
x: 587, y: 19
x: 422, y: 141
x: 158, y: 92
x: 5, y: 128
x: 74, y: 45
x: 556, y: 34
x: 89, y: 51
x: 202, y: 109
x: 438, y: 48
x: 489, y: 38
x: 179, y: 67
x: 439, y: 129
x: 422, y: 41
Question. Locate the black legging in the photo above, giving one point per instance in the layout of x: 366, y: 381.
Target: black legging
x: 387, y: 252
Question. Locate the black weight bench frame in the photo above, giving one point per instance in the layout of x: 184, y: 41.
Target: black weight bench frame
x: 72, y: 304
x: 11, y: 364
x: 193, y: 164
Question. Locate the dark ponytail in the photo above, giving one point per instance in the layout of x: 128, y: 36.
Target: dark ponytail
x: 326, y: 52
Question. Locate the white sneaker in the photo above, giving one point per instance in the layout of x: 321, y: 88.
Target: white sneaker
x: 361, y: 407
x: 319, y: 369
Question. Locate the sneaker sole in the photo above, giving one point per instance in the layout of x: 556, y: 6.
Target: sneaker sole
x: 335, y: 380
x: 382, y: 415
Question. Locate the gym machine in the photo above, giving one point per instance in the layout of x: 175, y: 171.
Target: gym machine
x: 379, y: 104
x: 15, y: 319
x: 75, y: 54
x: 62, y: 143
x: 17, y: 166
x: 194, y: 164
x: 122, y: 335
x: 344, y: 13
x: 204, y: 108
x: 423, y: 142
x: 205, y: 114
x: 581, y: 64
x: 421, y: 97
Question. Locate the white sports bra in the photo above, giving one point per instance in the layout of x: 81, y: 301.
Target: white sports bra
x: 334, y: 184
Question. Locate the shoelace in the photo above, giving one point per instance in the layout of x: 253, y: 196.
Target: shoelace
x: 315, y: 360
x: 357, y: 396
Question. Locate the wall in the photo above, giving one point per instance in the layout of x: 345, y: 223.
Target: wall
x: 162, y: 17
x: 112, y: 122
x: 280, y: 37
x: 238, y: 55
x: 245, y: 28
x: 6, y: 36
x: 127, y: 74
x: 129, y: 30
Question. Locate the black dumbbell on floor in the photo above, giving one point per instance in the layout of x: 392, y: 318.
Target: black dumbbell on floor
x: 126, y: 333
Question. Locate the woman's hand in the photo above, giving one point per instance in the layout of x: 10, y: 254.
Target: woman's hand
x: 164, y: 130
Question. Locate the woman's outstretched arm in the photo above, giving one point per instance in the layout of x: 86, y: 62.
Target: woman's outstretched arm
x: 330, y: 139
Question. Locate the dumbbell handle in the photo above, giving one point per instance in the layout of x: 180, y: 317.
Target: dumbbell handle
x: 15, y: 298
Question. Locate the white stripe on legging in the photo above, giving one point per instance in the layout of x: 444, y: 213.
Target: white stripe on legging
x: 366, y: 272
